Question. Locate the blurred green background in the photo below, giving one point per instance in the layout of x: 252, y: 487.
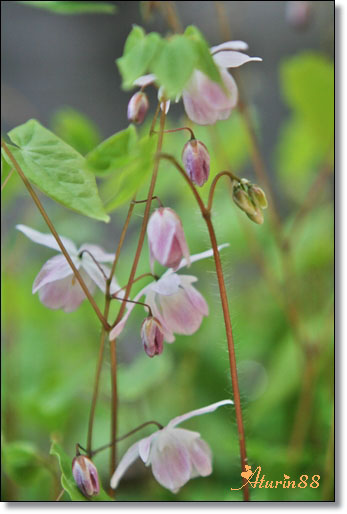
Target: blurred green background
x: 281, y: 300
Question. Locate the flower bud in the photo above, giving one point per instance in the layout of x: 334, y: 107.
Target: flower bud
x: 138, y: 107
x: 196, y: 161
x: 167, y: 243
x: 243, y: 200
x: 256, y: 216
x: 152, y: 336
x: 258, y: 196
x: 85, y: 475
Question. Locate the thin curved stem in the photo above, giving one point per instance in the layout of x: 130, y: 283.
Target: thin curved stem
x: 214, y: 183
x: 56, y: 236
x: 228, y: 328
x: 114, y: 297
x: 153, y: 198
x: 192, y: 136
x: 95, y: 262
x: 137, y: 279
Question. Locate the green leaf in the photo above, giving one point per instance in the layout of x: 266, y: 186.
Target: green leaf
x: 124, y: 183
x: 139, y: 52
x: 111, y: 153
x: 74, y: 7
x: 67, y: 480
x: 76, y: 129
x: 205, y: 62
x: 21, y: 462
x: 175, y: 64
x: 56, y: 168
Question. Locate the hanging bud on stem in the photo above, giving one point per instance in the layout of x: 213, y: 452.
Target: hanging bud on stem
x: 152, y: 336
x: 138, y: 107
x: 196, y: 161
x: 85, y: 475
x: 251, y: 199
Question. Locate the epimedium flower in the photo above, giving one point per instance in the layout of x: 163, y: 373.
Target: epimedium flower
x: 196, y: 161
x: 166, y: 239
x: 206, y: 101
x: 85, y: 475
x: 56, y: 284
x: 175, y: 454
x: 174, y: 301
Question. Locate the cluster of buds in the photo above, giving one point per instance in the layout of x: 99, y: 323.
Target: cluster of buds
x: 250, y: 198
x: 85, y: 475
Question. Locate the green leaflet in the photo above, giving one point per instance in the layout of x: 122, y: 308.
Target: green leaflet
x: 74, y: 7
x: 111, y: 153
x: 67, y: 480
x: 56, y: 168
x: 172, y: 60
x: 21, y: 461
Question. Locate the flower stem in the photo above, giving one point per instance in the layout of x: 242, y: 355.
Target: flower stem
x: 214, y: 183
x: 206, y: 214
x: 128, y: 289
x: 56, y: 236
x: 7, y: 179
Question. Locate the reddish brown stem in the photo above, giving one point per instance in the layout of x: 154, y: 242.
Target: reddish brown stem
x: 56, y: 236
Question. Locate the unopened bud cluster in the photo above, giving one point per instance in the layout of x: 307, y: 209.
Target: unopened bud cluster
x: 250, y: 198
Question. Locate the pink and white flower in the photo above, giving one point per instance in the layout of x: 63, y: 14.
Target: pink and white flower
x: 174, y: 302
x: 204, y: 100
x: 56, y: 283
x: 175, y: 454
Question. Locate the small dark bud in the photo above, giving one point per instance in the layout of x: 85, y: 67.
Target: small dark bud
x: 138, y: 107
x: 85, y: 475
x: 196, y: 161
x: 152, y: 336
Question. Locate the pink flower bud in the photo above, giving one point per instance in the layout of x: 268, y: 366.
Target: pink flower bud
x: 138, y: 107
x: 196, y: 161
x: 167, y: 243
x: 85, y: 475
x: 152, y: 336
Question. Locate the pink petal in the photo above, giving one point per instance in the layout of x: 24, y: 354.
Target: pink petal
x: 179, y: 315
x: 145, y: 447
x: 66, y: 293
x: 198, y: 111
x: 201, y: 457
x: 229, y: 45
x: 170, y: 460
x: 47, y: 239
x: 128, y: 458
x: 151, y: 301
x: 54, y: 269
x: 231, y: 59
x: 196, y: 298
x: 145, y: 80
x: 198, y: 412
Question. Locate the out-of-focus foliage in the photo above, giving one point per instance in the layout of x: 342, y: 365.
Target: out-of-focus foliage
x: 50, y: 356
x: 62, y: 7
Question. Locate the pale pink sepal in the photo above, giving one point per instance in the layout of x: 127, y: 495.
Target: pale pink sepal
x: 231, y: 59
x: 198, y: 412
x: 145, y: 80
x: 54, y: 269
x: 229, y: 45
x: 47, y: 239
x: 128, y: 458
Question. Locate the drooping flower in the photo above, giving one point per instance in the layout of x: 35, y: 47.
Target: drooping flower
x: 85, y: 475
x: 138, y: 107
x: 206, y: 101
x: 56, y: 283
x: 152, y: 336
x: 167, y: 243
x: 174, y: 302
x: 175, y: 454
x: 196, y: 161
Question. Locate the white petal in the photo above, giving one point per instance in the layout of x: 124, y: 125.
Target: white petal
x: 231, y: 59
x: 54, y: 269
x: 229, y: 45
x: 47, y: 239
x: 198, y: 412
x: 128, y: 458
x: 167, y: 284
x: 151, y: 301
x: 145, y: 80
x: 98, y: 253
x: 117, y: 330
x: 167, y: 106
